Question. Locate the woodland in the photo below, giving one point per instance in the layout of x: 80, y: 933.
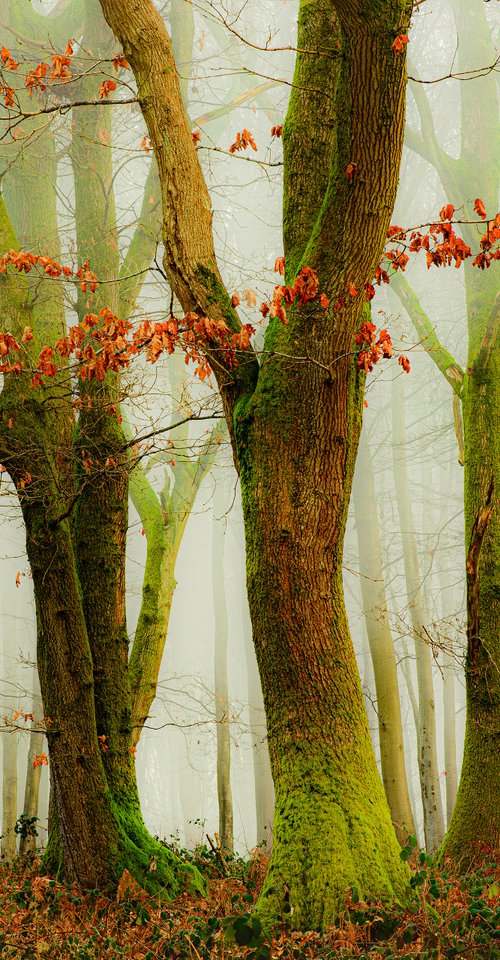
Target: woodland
x: 249, y: 456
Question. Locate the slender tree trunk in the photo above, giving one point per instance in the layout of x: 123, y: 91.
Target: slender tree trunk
x: 263, y: 778
x: 221, y: 680
x: 381, y: 645
x: 28, y: 843
x: 449, y: 668
x: 426, y: 734
x: 9, y: 794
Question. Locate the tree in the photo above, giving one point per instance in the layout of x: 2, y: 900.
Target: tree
x: 476, y: 816
x: 77, y: 558
x: 294, y: 421
x: 392, y: 758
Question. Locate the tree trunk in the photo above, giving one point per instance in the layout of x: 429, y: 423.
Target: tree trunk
x: 381, y: 645
x: 295, y: 425
x: 263, y: 778
x: 476, y: 815
x: 426, y: 732
x: 28, y: 841
x: 475, y: 822
x: 221, y: 680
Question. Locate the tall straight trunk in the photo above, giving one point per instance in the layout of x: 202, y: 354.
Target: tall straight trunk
x: 449, y: 669
x: 476, y: 814
x: 9, y: 794
x: 263, y: 778
x: 221, y: 679
x: 9, y: 741
x: 28, y: 841
x: 381, y: 645
x: 450, y: 736
x: 426, y: 733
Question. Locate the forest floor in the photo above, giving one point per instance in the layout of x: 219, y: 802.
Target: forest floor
x: 445, y: 918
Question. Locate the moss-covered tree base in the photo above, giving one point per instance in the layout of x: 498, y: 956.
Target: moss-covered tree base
x: 330, y: 834
x: 156, y: 869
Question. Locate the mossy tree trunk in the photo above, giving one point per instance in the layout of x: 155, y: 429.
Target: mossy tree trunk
x: 295, y: 424
x: 476, y: 815
x: 77, y: 564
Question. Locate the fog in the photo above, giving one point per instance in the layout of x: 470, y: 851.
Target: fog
x: 230, y: 82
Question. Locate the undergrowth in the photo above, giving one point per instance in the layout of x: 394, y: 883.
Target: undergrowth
x: 445, y: 918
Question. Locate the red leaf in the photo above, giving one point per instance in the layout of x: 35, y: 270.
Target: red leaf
x: 480, y: 208
x: 399, y: 43
x: 447, y: 212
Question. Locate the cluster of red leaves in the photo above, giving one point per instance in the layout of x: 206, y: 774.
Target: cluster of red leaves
x: 105, y: 89
x: 375, y: 346
x: 304, y: 288
x: 400, y: 42
x: 59, y: 72
x: 40, y: 760
x: 443, y: 247
x: 277, y: 130
x: 242, y: 141
x: 24, y: 261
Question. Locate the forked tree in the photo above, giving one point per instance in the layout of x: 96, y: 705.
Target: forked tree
x: 294, y: 420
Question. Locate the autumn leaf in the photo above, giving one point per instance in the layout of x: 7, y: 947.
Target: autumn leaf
x: 235, y: 299
x: 447, y: 212
x: 399, y: 44
x: 353, y: 291
x: 40, y: 760
x: 480, y: 208
x: 351, y: 171
x: 120, y: 61
x: 105, y: 89
x: 196, y: 136
x: 404, y: 363
x: 242, y: 141
x: 250, y: 298
x: 18, y: 578
x: 277, y: 130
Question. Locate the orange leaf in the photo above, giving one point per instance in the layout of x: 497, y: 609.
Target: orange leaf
x: 404, y: 363
x: 399, y: 43
x: 480, y: 209
x: 18, y: 578
x: 447, y: 212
